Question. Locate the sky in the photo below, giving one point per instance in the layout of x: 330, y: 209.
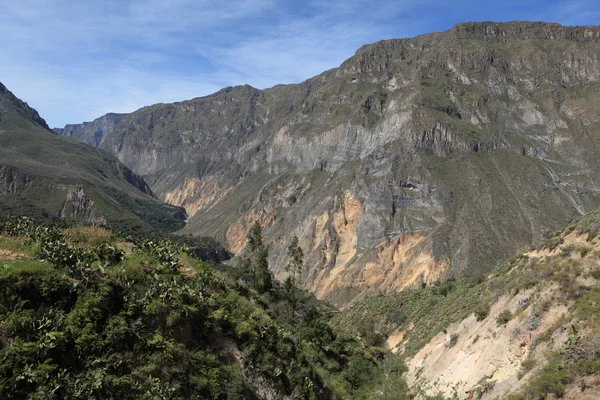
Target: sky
x: 76, y: 60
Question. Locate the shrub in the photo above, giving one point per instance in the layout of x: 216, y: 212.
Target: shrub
x: 482, y: 311
x: 109, y: 254
x: 526, y: 366
x: 396, y: 317
x: 358, y: 373
x: 483, y: 389
x: 504, y: 317
x: 17, y: 227
x: 453, y: 340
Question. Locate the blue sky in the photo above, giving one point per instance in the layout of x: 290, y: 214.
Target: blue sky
x: 75, y: 60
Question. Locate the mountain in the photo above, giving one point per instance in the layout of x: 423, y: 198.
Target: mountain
x: 51, y: 177
x: 91, y: 133
x: 416, y: 160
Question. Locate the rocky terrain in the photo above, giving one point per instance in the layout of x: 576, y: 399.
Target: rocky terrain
x: 49, y: 177
x: 529, y: 330
x: 416, y: 160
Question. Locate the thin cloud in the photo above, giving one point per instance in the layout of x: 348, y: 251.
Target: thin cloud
x: 75, y: 61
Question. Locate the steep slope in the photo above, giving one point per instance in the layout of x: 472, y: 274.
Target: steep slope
x: 527, y: 331
x: 50, y: 177
x: 91, y: 133
x: 416, y: 159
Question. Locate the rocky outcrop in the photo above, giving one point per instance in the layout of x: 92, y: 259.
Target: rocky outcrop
x: 78, y: 206
x: 455, y: 148
x: 11, y: 181
x: 518, y: 31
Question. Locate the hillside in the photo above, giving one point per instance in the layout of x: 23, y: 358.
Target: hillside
x: 527, y: 331
x: 50, y: 177
x: 416, y: 160
x: 85, y: 313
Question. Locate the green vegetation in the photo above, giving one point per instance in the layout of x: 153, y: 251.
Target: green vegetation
x: 504, y: 317
x: 257, y: 260
x: 453, y: 340
x: 430, y: 309
x: 294, y: 268
x: 563, y: 369
x: 88, y: 315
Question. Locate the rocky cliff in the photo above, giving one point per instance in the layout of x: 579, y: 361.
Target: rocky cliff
x: 91, y: 133
x: 416, y: 160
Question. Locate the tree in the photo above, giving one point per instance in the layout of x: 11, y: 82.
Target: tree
x: 294, y: 267
x: 255, y: 237
x: 263, y: 280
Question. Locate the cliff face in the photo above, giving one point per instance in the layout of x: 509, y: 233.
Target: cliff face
x: 91, y: 133
x: 415, y: 160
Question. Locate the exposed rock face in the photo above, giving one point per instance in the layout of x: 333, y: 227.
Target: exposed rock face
x: 415, y: 160
x: 77, y: 206
x: 91, y: 133
x: 11, y: 181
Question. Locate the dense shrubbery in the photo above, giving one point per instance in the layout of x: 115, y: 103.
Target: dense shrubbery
x: 92, y: 322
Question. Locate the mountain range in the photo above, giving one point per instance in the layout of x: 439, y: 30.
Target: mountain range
x: 444, y: 189
x: 416, y: 160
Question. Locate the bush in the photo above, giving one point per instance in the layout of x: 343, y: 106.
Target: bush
x: 482, y: 311
x: 358, y: 373
x: 533, y: 323
x: 109, y: 254
x: 504, y: 317
x: 526, y: 366
x: 453, y: 340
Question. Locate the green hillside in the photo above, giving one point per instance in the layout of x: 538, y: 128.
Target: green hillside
x: 48, y: 176
x: 86, y: 314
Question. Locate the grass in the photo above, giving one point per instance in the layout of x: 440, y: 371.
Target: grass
x: 23, y: 267
x: 588, y: 306
x: 17, y: 246
x: 89, y: 236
